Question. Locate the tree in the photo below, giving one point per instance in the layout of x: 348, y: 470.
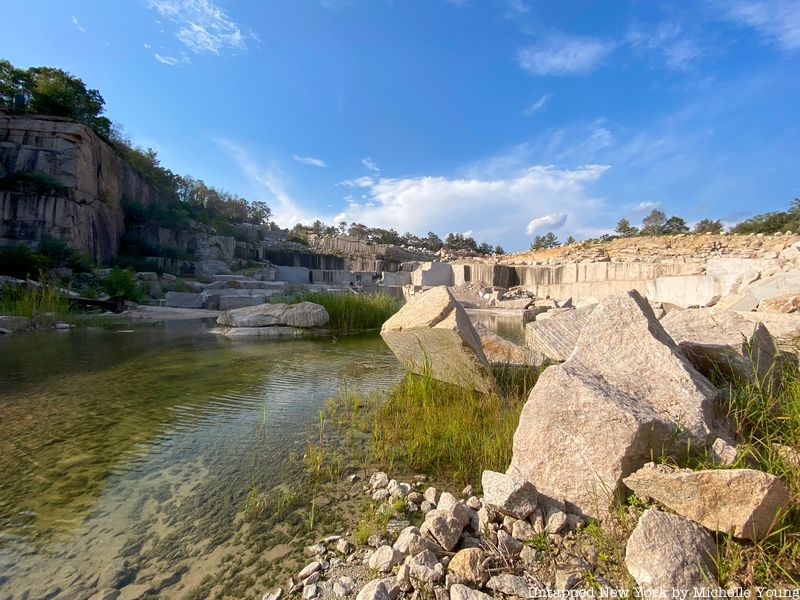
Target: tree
x: 675, y: 225
x: 433, y: 242
x: 499, y: 250
x: 625, y: 229
x: 342, y: 227
x: 653, y: 224
x: 548, y: 240
x: 708, y: 226
x: 50, y: 91
x: 570, y: 240
x: 485, y: 248
x: 358, y: 231
x: 317, y: 227
x: 258, y: 213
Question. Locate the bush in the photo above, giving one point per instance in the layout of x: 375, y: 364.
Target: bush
x: 20, y: 262
x: 122, y: 282
x: 33, y: 182
x: 61, y: 254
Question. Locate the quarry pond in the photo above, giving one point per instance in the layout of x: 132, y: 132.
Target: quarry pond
x: 130, y: 452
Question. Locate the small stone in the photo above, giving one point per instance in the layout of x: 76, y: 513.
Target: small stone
x: 462, y: 592
x: 523, y: 531
x: 384, y: 559
x: 556, y: 522
x: 474, y: 503
x: 468, y: 566
x: 448, y: 504
x: 404, y: 578
x: 724, y: 453
x: 511, y: 585
x: 310, y: 591
x: 378, y: 480
x: 445, y: 529
x: 431, y: 495
x: 340, y: 590
x: 380, y: 494
x: 309, y: 569
x: 399, y: 489
x: 315, y: 550
x: 415, y: 497
x: 344, y: 547
x: 426, y: 507
x: 508, y: 523
x: 374, y: 590
x: 507, y: 545
x: 508, y: 495
x: 467, y: 492
x: 441, y: 594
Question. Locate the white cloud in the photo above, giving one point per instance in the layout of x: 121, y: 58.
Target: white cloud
x: 147, y: 46
x: 644, y: 206
x: 776, y: 20
x: 546, y: 223
x: 74, y: 21
x: 497, y: 209
x: 202, y: 26
x: 562, y: 54
x: 370, y: 164
x: 537, y: 106
x: 167, y: 60
x: 308, y: 160
x: 361, y: 182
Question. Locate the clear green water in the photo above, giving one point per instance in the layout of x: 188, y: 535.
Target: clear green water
x: 143, y: 445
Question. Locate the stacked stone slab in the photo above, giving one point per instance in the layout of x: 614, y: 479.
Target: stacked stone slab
x: 432, y: 333
x: 625, y: 395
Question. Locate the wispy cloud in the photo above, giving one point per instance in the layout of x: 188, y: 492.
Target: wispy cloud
x: 776, y: 20
x: 268, y: 181
x: 167, y: 60
x: 562, y: 54
x: 202, y: 26
x: 360, y: 182
x: 538, y: 105
x: 308, y: 160
x: 74, y: 21
x: 370, y: 164
x: 678, y: 49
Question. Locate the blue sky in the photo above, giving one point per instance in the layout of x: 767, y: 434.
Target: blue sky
x: 503, y: 118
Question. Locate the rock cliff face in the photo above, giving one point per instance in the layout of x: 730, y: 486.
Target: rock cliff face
x: 85, y: 208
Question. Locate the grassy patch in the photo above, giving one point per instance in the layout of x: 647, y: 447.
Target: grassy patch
x: 32, y: 302
x: 437, y: 428
x: 767, y: 425
x: 348, y: 312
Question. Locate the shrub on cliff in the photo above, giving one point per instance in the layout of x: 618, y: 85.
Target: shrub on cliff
x: 121, y: 282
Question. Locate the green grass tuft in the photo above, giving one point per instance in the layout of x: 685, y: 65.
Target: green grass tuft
x: 437, y: 428
x: 348, y: 312
x: 33, y: 301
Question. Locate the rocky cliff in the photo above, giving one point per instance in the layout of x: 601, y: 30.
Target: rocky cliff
x: 61, y: 179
